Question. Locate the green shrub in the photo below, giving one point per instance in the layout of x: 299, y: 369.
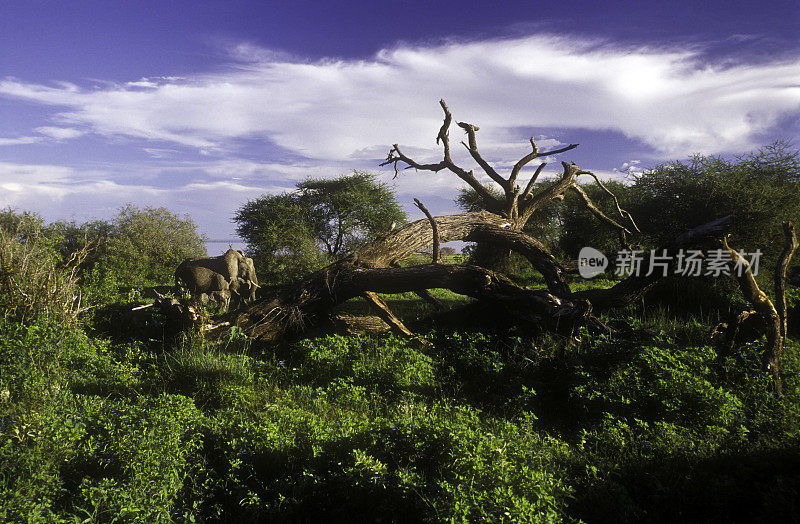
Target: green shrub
x: 34, y: 279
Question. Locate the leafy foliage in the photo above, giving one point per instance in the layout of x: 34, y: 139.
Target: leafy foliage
x: 35, y: 277
x: 347, y: 212
x: 146, y: 245
x: 292, y: 233
x: 481, y: 427
x: 760, y: 189
x: 651, y: 425
x: 279, y: 239
x: 579, y: 227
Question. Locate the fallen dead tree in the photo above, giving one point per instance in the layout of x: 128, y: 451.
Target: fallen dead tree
x: 375, y: 268
x: 312, y: 300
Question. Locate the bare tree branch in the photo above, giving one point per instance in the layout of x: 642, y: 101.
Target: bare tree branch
x: 395, y: 156
x: 382, y: 310
x: 532, y: 181
x: 764, y: 306
x: 550, y: 192
x: 622, y: 213
x: 523, y: 161
x: 473, y: 151
x: 534, y: 154
x: 434, y: 228
x: 622, y: 230
x: 444, y: 131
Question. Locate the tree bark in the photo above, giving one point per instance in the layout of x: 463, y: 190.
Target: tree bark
x: 359, y: 326
x: 311, y: 300
x: 764, y: 307
x: 780, y: 274
x: 381, y: 309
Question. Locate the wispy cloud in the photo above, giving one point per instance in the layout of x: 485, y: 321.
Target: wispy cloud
x: 46, y: 133
x: 60, y: 133
x: 340, y: 109
x: 334, y: 115
x: 20, y: 140
x: 63, y: 192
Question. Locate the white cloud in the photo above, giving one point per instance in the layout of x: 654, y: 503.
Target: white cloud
x: 61, y: 192
x: 157, y: 152
x: 629, y: 169
x: 342, y: 109
x: 50, y: 133
x: 344, y: 114
x: 143, y: 83
x: 20, y: 140
x: 60, y: 133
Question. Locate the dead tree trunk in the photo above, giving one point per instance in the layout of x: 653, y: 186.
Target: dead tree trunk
x: 516, y: 205
x: 313, y: 299
x: 765, y: 308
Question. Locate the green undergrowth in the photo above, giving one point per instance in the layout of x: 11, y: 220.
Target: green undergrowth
x: 653, y: 426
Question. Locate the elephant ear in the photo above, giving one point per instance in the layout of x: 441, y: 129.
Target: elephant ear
x: 234, y: 262
x: 251, y: 267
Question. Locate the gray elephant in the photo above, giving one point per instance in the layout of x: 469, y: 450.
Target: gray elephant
x: 236, y: 269
x: 221, y: 298
x: 233, y: 266
x: 203, y: 283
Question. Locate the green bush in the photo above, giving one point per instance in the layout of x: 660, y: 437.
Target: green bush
x: 34, y: 279
x: 146, y: 245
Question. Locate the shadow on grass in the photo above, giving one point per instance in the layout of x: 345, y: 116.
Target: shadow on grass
x: 329, y: 482
x: 730, y: 487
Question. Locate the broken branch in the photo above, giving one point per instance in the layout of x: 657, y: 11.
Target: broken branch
x: 473, y: 151
x: 622, y: 213
x: 622, y: 230
x: 434, y: 228
x: 762, y: 304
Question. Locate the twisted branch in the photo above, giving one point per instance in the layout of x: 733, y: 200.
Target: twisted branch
x: 435, y: 229
x: 530, y: 156
x: 622, y: 230
x: 622, y: 213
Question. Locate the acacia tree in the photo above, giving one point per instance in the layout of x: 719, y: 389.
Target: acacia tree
x: 346, y: 212
x: 291, y: 234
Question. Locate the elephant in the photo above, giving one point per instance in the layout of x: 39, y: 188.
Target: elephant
x: 236, y: 269
x: 221, y: 298
x: 204, y: 284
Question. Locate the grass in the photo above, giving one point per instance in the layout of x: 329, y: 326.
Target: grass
x: 406, y: 305
x: 479, y: 427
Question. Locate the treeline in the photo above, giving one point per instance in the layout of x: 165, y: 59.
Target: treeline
x: 760, y: 190
x: 293, y: 233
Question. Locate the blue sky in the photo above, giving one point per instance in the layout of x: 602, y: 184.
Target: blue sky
x: 200, y: 106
